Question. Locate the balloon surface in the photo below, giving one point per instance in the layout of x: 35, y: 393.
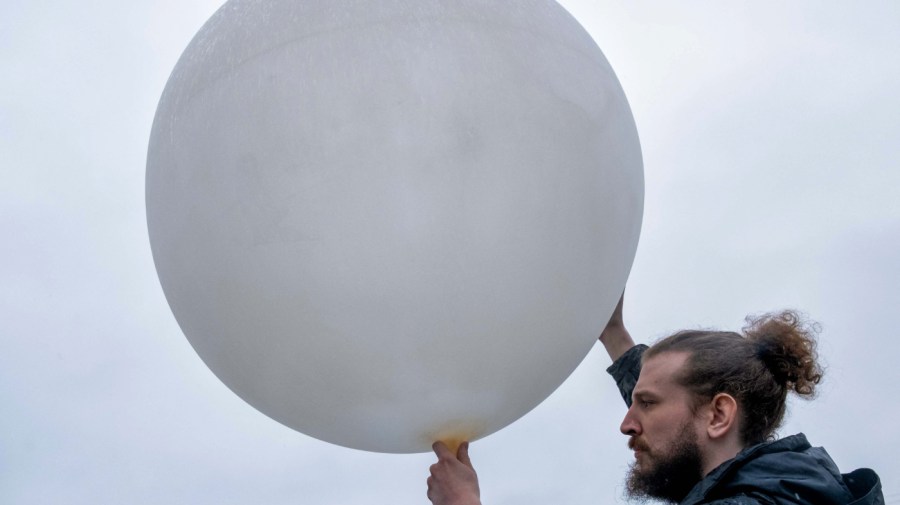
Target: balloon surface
x: 385, y: 223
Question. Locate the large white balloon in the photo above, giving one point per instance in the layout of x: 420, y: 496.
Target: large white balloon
x: 384, y: 223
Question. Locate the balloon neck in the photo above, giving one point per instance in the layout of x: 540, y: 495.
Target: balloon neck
x: 457, y: 432
x: 453, y: 444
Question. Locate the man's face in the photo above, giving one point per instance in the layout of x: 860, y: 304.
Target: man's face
x: 663, y: 432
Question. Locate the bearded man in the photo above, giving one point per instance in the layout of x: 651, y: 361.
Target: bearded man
x: 703, y: 407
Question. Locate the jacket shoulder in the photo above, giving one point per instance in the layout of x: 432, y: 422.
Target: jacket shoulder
x: 865, y: 485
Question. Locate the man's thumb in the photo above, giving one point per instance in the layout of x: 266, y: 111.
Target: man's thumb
x: 462, y: 454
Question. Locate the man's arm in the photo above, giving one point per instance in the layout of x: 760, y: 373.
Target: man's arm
x: 615, y: 337
x: 625, y: 355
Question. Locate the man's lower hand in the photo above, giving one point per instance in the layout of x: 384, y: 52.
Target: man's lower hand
x: 453, y: 480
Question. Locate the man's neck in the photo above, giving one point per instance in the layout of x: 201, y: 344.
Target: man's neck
x: 719, y: 454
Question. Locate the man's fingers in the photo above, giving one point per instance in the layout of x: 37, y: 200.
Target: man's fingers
x: 442, y: 451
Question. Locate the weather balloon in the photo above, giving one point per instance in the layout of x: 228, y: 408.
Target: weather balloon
x: 385, y: 223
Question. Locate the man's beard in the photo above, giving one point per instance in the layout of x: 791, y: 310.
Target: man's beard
x: 672, y: 474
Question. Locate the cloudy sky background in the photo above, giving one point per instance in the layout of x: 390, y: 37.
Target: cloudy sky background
x: 771, y: 134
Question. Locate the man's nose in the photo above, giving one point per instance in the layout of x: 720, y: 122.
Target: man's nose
x: 630, y: 426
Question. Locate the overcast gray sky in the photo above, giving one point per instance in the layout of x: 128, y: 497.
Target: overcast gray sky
x: 771, y: 133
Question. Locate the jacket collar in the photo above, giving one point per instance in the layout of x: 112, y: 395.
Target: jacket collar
x: 724, y: 471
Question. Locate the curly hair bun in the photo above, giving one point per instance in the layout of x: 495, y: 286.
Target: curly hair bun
x: 786, y: 343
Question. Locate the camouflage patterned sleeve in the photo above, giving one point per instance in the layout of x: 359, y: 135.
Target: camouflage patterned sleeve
x: 626, y: 369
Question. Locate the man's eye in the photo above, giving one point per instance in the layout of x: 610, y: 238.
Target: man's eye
x: 646, y: 403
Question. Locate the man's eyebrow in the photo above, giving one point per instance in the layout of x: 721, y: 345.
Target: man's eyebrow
x: 643, y: 394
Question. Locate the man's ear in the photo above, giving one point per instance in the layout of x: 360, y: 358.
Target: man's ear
x: 723, y: 410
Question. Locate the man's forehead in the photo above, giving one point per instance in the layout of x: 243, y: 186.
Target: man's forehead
x: 659, y: 373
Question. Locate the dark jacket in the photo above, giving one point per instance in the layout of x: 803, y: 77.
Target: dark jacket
x: 788, y: 471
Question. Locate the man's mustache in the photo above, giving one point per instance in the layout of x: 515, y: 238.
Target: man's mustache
x: 635, y: 443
